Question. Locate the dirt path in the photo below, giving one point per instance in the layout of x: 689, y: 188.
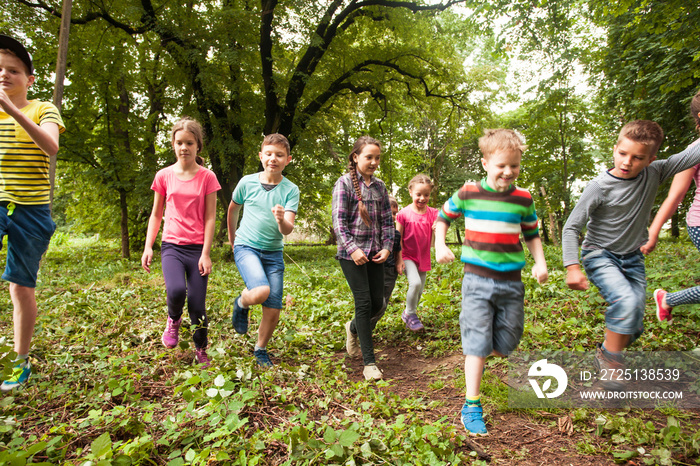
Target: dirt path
x: 514, y: 437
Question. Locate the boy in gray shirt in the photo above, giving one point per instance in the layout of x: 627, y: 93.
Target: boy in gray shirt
x: 615, y: 208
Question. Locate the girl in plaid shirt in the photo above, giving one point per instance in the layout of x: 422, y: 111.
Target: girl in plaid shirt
x: 364, y: 229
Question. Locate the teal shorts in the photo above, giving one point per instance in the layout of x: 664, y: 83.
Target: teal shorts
x: 28, y: 229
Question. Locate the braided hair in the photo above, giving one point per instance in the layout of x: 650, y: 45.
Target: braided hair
x: 360, y: 144
x: 695, y: 109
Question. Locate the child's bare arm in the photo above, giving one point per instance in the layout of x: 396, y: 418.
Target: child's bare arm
x: 154, y: 222
x: 443, y: 254
x: 232, y: 221
x: 679, y: 186
x: 539, y: 270
x: 44, y: 136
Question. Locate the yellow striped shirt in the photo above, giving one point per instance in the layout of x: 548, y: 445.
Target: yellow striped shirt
x: 24, y: 168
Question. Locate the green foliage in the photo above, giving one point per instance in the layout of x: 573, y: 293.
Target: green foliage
x: 321, y: 73
x: 105, y: 390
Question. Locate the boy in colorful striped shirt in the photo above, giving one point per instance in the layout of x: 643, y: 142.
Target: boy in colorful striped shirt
x: 496, y: 213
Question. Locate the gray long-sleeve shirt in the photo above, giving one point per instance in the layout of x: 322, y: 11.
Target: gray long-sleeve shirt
x: 616, y: 211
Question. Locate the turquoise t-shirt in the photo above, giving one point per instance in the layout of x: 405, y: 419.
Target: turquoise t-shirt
x: 258, y: 228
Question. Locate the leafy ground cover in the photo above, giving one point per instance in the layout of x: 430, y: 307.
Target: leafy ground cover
x: 107, y: 392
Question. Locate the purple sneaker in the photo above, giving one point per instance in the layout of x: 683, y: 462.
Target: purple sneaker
x: 201, y: 357
x: 412, y: 322
x: 171, y: 334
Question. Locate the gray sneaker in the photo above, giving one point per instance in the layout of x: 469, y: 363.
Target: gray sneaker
x: 611, y: 370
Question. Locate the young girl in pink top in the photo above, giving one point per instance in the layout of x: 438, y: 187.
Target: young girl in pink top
x: 416, y: 224
x: 188, y: 191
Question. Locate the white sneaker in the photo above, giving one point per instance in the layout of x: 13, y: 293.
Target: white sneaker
x: 351, y: 343
x: 372, y: 372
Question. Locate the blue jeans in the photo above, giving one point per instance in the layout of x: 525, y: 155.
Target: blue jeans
x: 493, y: 315
x: 621, y: 280
x: 261, y: 268
x: 29, y: 229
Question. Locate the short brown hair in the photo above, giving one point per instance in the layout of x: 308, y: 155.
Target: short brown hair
x: 393, y: 202
x: 276, y: 139
x: 495, y: 140
x: 645, y: 132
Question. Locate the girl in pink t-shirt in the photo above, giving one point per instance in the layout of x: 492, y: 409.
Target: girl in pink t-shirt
x: 416, y: 223
x: 188, y: 192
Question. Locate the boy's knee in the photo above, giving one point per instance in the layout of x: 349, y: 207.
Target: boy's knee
x: 258, y: 295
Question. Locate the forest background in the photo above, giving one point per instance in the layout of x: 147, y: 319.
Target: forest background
x: 425, y: 78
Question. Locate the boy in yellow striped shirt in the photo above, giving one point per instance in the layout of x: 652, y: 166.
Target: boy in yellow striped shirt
x: 28, y: 138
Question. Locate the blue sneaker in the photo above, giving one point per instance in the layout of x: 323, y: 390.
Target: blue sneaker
x: 239, y: 318
x: 473, y: 420
x: 262, y: 357
x: 20, y: 374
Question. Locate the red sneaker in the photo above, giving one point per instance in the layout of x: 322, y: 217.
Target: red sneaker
x: 662, y: 313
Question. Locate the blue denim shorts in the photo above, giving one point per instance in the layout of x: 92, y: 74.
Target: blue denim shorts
x: 493, y: 315
x: 29, y: 229
x: 261, y: 268
x: 621, y: 280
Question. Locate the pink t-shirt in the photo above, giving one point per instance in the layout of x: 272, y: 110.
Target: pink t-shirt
x: 184, y: 204
x: 417, y: 233
x: 692, y: 218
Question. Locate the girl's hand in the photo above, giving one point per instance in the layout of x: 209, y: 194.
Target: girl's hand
x: 204, y: 265
x: 400, y: 267
x: 358, y: 256
x: 381, y: 256
x: 146, y: 259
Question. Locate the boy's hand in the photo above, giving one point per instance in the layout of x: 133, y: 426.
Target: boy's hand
x: 649, y: 246
x: 6, y: 104
x: 146, y: 259
x: 540, y: 273
x: 381, y: 256
x: 575, y: 279
x: 278, y: 212
x: 443, y: 254
x: 400, y: 266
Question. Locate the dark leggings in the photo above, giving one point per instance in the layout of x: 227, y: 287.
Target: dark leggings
x: 180, y: 265
x: 366, y: 282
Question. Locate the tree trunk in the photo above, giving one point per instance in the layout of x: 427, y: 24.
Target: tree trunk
x: 124, y: 209
x: 675, y: 227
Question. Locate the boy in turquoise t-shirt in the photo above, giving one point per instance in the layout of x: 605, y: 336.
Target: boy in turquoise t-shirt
x: 270, y: 204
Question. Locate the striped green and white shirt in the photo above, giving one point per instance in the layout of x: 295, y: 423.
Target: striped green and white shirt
x: 493, y: 224
x: 24, y: 168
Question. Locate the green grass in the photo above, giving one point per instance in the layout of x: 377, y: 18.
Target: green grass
x: 107, y: 392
